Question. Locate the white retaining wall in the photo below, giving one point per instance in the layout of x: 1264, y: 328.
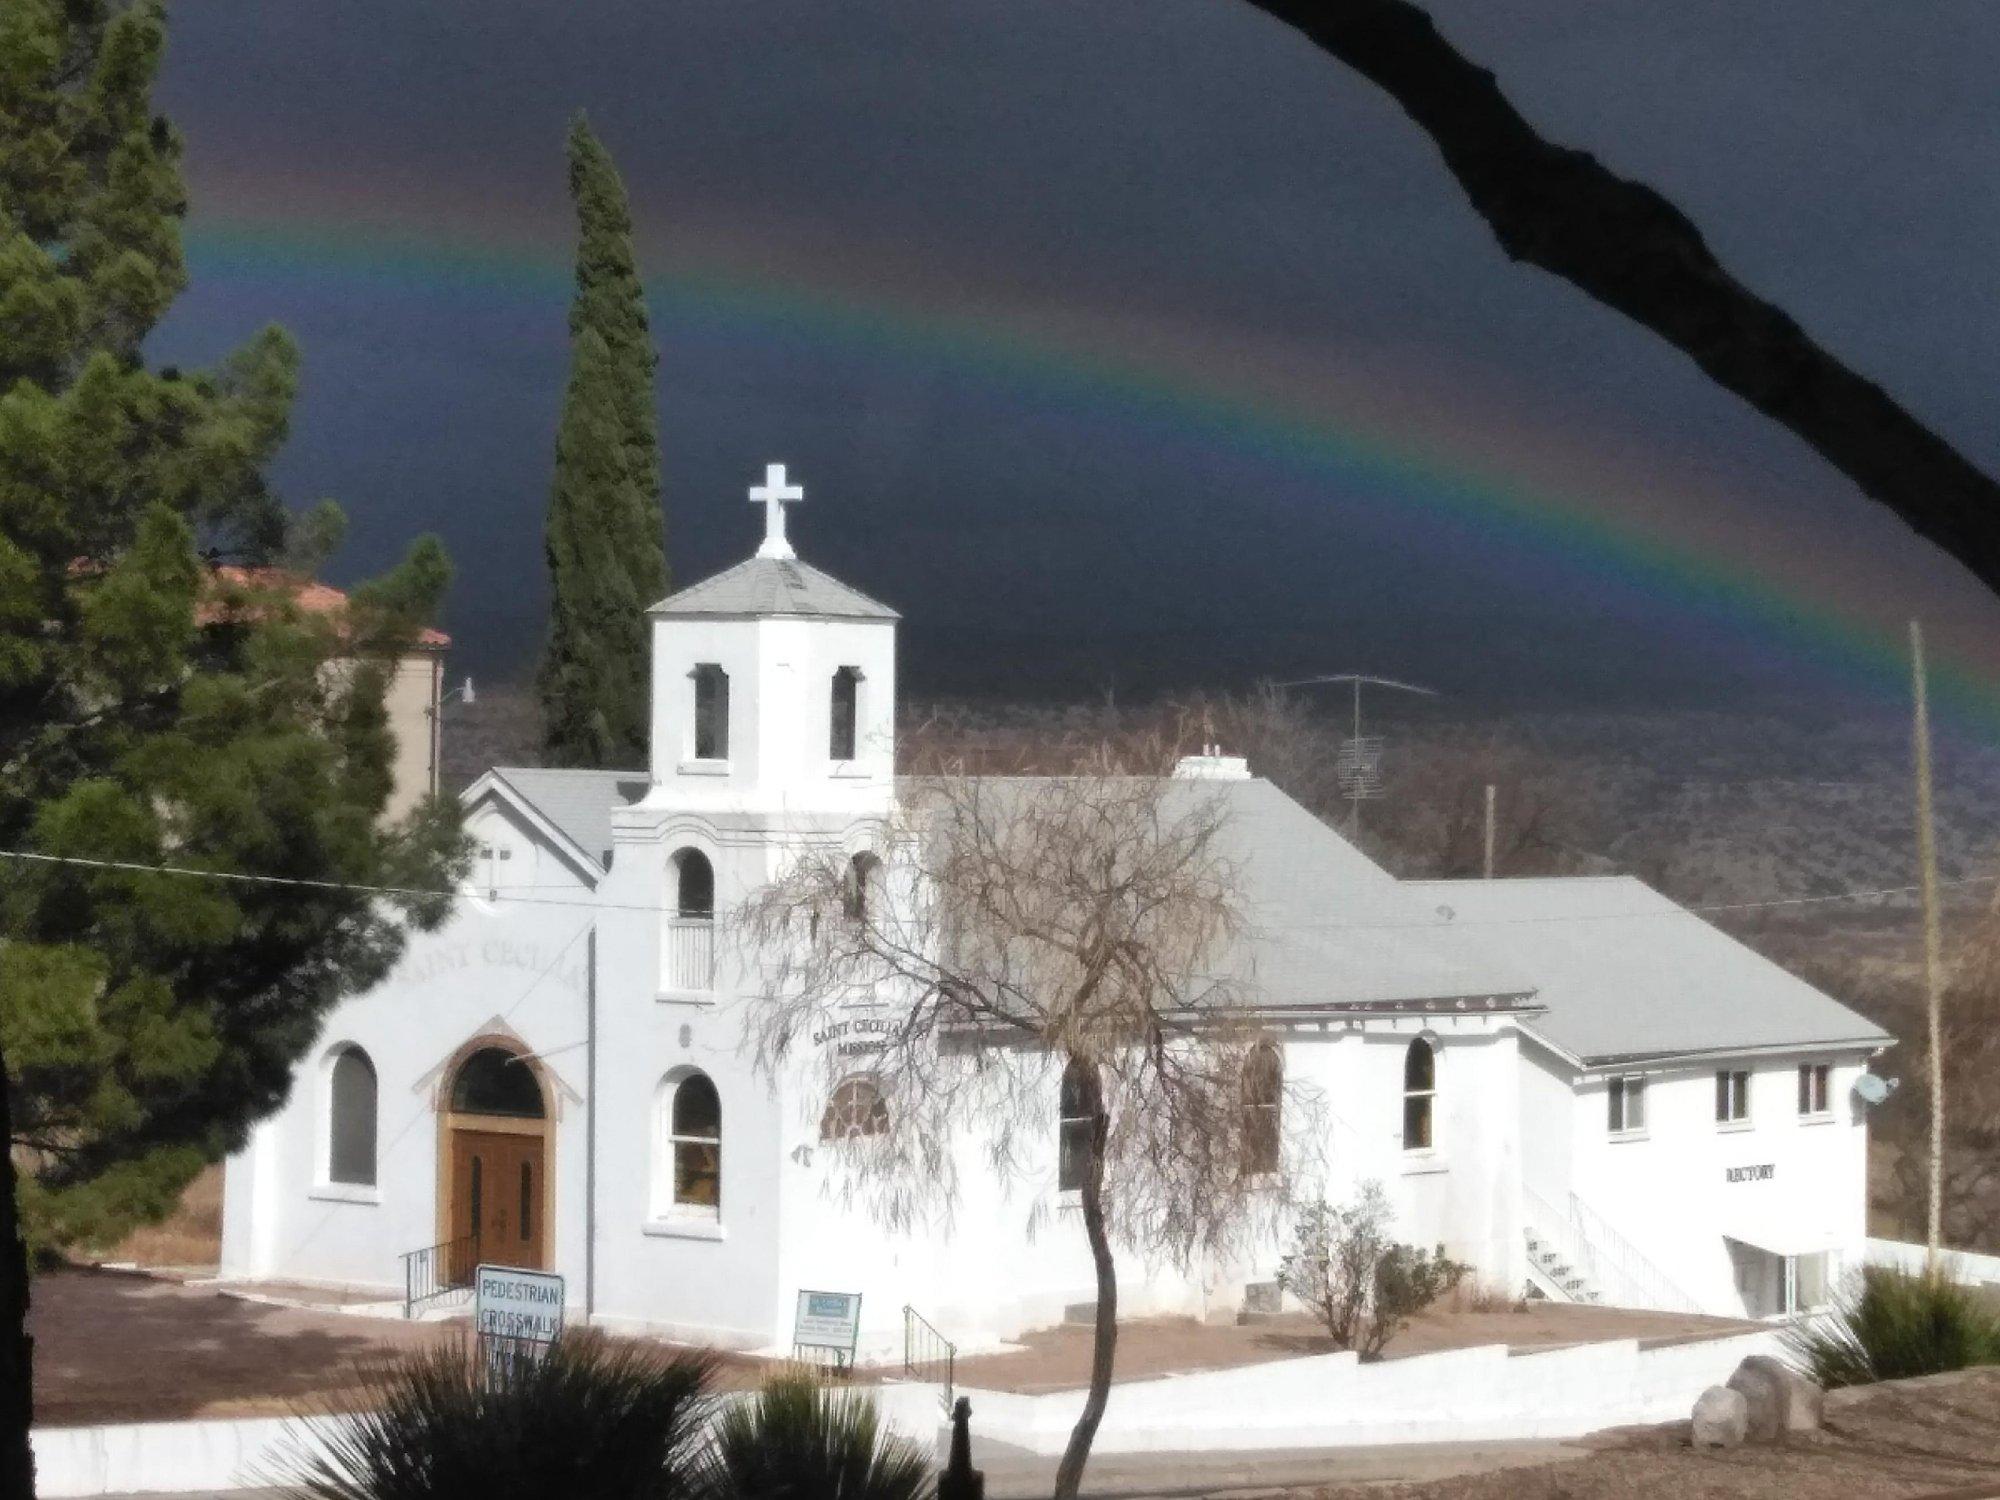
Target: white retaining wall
x: 1326, y: 1401
x: 246, y: 1453
x: 1331, y: 1400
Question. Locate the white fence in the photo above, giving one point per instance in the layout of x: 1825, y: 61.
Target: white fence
x: 1966, y: 1266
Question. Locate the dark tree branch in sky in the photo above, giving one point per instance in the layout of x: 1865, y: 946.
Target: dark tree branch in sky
x: 1629, y: 248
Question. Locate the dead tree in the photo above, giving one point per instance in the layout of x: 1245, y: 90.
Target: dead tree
x: 1626, y: 246
x: 1047, y: 956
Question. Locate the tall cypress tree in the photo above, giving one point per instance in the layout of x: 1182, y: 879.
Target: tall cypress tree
x: 156, y: 710
x: 605, y: 532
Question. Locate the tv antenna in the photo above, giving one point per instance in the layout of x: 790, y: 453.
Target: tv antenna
x: 1358, y: 765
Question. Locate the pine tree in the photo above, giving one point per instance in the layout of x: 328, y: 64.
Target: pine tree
x: 157, y: 708
x: 604, y: 540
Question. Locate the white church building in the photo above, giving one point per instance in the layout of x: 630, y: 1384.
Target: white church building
x: 1572, y: 1084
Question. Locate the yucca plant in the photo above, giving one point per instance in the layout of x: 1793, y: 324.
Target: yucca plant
x: 798, y: 1440
x: 1893, y: 1323
x: 591, y: 1419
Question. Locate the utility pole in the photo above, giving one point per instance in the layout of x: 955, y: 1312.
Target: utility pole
x: 1359, y: 764
x: 1492, y: 792
x: 1927, y: 875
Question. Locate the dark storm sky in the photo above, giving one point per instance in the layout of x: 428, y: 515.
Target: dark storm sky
x: 1179, y: 180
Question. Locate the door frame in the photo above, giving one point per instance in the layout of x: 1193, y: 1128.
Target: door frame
x: 451, y: 1122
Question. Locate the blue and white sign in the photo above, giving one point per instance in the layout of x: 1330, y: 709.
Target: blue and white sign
x: 828, y: 1320
x: 510, y: 1303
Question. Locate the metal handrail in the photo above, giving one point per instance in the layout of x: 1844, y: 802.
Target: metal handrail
x: 438, y: 1271
x: 1626, y: 1261
x: 926, y: 1353
x: 1615, y: 1267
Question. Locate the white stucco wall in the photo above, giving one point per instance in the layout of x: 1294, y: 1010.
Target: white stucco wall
x: 508, y: 968
x: 1667, y: 1188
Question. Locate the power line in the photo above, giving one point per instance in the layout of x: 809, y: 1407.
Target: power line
x: 501, y: 894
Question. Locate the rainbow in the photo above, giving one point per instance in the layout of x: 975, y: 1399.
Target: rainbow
x: 1721, y: 569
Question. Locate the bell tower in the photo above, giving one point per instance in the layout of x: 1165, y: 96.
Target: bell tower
x: 774, y: 685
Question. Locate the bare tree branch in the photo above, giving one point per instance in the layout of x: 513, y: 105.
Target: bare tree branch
x: 1627, y: 247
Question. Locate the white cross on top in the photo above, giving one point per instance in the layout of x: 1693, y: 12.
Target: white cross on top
x: 774, y: 494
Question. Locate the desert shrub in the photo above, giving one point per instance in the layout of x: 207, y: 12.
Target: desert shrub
x: 1361, y: 1284
x: 592, y: 1419
x: 798, y: 1440
x: 1892, y: 1323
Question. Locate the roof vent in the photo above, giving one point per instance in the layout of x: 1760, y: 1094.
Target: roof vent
x: 1212, y: 765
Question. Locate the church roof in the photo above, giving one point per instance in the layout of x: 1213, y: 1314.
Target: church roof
x: 1626, y: 974
x: 1327, y: 925
x: 578, y: 803
x: 774, y: 586
x: 1324, y: 925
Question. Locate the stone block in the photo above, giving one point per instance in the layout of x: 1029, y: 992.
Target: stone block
x: 1721, y: 1418
x: 1766, y: 1387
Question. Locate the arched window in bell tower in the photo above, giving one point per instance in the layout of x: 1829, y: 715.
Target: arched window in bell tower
x: 845, y: 712
x: 711, y: 712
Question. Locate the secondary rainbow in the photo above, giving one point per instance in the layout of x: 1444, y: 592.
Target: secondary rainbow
x: 1772, y: 599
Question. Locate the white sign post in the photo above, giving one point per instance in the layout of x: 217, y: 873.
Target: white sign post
x: 829, y: 1321
x: 516, y: 1315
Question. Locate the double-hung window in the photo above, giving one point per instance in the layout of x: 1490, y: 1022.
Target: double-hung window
x: 1627, y: 1104
x: 1815, y: 1090
x: 1732, y: 1097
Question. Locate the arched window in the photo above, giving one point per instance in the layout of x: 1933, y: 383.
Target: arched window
x: 695, y: 884
x: 350, y: 1155
x: 862, y: 886
x: 711, y: 712
x: 1075, y: 1124
x: 1419, y: 1095
x: 493, y: 1081
x: 845, y: 712
x: 1263, y: 1104
x: 856, y: 1109
x: 694, y: 1139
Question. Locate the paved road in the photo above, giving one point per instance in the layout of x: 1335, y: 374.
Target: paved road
x: 1015, y: 1475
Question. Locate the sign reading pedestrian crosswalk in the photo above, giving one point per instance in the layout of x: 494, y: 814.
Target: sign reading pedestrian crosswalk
x: 516, y: 1315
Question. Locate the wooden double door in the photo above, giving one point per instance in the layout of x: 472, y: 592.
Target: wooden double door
x: 499, y: 1196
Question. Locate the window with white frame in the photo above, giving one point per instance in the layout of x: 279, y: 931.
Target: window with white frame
x: 1419, y: 1096
x: 1263, y: 1107
x: 845, y: 713
x: 1732, y: 1097
x: 1815, y: 1089
x: 694, y: 1146
x: 350, y: 1155
x: 1626, y: 1098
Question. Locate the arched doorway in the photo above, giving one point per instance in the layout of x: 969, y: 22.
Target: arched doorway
x: 494, y: 1162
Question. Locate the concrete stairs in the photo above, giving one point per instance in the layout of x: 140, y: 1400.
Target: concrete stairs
x: 1550, y: 1270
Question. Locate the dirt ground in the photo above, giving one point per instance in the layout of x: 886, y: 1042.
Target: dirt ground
x: 1933, y: 1437
x: 121, y: 1347
x: 1056, y: 1359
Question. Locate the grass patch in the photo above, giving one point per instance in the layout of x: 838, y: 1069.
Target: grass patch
x: 1892, y: 1324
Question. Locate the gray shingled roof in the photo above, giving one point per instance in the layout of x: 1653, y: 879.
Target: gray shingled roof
x: 773, y: 586
x: 1627, y: 974
x: 1325, y: 926
x: 579, y: 803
